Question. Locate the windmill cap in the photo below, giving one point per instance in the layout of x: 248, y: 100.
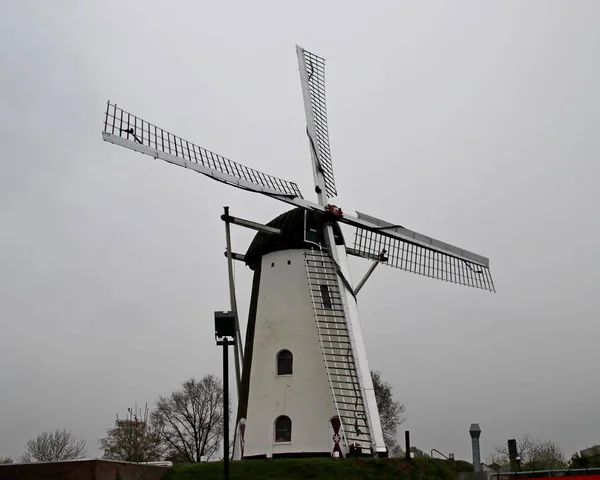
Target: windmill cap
x: 292, y: 224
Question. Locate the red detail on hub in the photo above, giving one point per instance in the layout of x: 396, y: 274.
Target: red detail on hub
x: 335, y: 211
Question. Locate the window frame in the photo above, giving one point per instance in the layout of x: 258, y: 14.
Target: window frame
x: 289, y: 430
x: 277, y: 363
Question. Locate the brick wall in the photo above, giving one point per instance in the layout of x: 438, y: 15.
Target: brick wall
x: 80, y: 470
x: 128, y: 471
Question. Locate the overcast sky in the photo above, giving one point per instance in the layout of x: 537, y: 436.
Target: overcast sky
x: 475, y: 122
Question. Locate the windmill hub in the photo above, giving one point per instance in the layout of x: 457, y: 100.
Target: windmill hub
x: 335, y: 211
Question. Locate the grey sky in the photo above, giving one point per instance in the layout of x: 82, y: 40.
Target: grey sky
x: 475, y: 122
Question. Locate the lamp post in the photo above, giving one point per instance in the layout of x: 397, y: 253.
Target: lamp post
x: 225, y: 336
x: 513, y: 455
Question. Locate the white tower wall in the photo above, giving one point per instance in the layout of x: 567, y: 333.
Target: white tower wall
x: 285, y: 320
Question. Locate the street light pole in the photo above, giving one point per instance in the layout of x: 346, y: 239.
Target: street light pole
x: 226, y: 408
x: 225, y: 329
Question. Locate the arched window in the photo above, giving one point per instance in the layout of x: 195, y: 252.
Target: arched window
x: 283, y: 429
x: 284, y: 362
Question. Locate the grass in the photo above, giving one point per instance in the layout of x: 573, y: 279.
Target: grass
x: 324, y: 469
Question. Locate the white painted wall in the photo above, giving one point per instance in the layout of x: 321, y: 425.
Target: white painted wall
x: 285, y: 320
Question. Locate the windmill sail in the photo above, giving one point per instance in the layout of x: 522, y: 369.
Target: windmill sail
x: 124, y: 129
x: 312, y: 77
x: 405, y: 249
x: 417, y: 253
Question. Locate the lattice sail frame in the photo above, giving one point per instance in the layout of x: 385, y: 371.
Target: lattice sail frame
x: 406, y: 249
x: 312, y: 75
x: 127, y: 130
x: 421, y: 260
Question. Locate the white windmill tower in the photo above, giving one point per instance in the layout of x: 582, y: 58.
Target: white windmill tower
x: 304, y: 382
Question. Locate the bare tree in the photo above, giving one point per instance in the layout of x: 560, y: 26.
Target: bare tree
x: 535, y: 454
x: 418, y: 453
x: 54, y: 446
x: 190, y: 420
x: 132, y: 439
x: 5, y: 460
x: 390, y: 410
x: 396, y: 452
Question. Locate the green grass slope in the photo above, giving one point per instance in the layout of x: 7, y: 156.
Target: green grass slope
x: 324, y: 469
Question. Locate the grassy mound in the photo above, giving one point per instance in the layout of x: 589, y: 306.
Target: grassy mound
x: 324, y: 469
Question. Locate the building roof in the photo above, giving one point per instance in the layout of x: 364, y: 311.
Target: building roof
x: 591, y: 451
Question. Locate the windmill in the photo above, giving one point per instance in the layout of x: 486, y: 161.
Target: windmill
x: 304, y: 381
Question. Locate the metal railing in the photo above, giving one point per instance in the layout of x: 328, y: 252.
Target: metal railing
x: 440, y: 453
x: 548, y: 473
